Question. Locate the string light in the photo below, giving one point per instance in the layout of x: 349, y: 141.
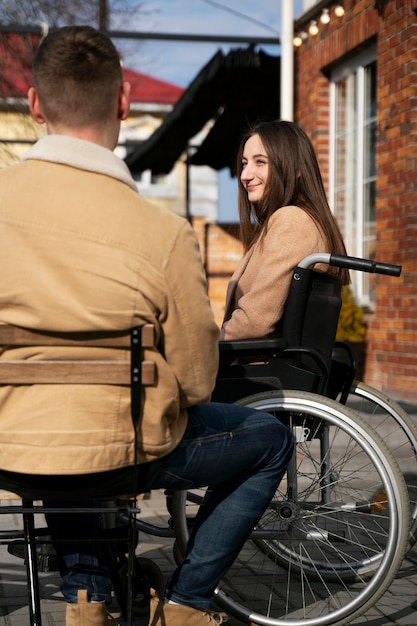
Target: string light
x: 299, y: 39
x: 325, y: 16
x: 313, y: 29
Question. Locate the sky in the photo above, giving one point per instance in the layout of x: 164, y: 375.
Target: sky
x: 179, y: 62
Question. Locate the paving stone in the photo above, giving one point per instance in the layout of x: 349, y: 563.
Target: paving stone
x: 398, y: 606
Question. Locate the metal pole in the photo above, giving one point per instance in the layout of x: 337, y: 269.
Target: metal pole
x: 123, y: 34
x: 103, y: 15
x: 287, y: 60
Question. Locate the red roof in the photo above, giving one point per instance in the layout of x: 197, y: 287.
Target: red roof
x: 16, y: 52
x: 149, y: 89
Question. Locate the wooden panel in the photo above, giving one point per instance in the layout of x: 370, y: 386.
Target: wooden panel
x: 72, y: 372
x: 148, y: 336
x: 99, y: 372
x: 15, y: 336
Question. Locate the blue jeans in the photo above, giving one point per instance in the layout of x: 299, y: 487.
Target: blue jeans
x: 242, y: 454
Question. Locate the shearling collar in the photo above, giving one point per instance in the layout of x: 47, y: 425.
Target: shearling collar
x: 81, y: 154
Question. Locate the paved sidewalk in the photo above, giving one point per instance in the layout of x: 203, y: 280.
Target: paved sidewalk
x: 397, y: 607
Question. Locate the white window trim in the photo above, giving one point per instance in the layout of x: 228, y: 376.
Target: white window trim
x: 356, y: 66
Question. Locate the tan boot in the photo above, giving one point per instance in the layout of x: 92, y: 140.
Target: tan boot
x: 86, y: 613
x: 178, y: 615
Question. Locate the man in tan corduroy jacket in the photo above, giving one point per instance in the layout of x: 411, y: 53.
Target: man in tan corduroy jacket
x: 82, y: 251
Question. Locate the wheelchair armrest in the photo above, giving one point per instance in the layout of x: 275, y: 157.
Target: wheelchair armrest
x: 248, y: 347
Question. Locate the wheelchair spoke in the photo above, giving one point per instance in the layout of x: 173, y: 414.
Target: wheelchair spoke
x: 323, y: 552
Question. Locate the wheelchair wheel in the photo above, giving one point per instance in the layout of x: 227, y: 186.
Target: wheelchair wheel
x: 400, y: 434
x: 322, y: 553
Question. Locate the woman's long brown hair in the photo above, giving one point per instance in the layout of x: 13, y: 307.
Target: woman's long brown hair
x: 294, y: 179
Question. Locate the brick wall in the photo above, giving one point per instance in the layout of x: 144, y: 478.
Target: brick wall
x: 392, y: 333
x: 391, y: 363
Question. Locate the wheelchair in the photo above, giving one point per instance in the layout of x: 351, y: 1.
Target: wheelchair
x: 334, y: 535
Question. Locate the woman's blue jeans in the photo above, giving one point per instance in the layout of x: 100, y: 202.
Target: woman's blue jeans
x: 242, y: 454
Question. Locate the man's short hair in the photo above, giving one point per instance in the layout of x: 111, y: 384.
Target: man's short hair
x: 77, y: 75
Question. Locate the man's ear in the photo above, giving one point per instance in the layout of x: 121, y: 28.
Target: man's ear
x: 34, y: 106
x: 124, y: 100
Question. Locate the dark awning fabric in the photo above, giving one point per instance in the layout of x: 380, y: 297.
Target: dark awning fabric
x: 234, y: 90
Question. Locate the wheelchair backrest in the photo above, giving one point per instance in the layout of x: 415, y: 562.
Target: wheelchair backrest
x: 311, y: 314
x: 126, y: 366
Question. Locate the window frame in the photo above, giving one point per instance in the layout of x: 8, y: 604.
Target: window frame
x: 356, y: 69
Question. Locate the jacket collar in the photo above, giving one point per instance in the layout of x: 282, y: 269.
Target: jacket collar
x: 81, y: 154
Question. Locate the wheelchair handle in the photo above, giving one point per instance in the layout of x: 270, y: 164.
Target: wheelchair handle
x: 351, y: 263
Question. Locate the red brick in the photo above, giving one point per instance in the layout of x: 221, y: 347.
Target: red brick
x: 395, y: 32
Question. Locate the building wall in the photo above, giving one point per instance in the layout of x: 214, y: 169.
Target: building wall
x: 16, y: 128
x: 391, y: 362
x: 221, y: 251
x: 393, y: 335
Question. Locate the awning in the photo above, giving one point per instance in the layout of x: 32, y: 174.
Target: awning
x: 233, y: 90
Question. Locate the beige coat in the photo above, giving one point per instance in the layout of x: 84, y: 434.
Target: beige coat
x: 258, y: 289
x: 81, y: 250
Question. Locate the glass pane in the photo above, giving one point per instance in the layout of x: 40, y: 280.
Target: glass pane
x: 370, y: 150
x: 355, y: 165
x: 369, y: 174
x: 369, y: 207
x: 345, y: 160
x: 369, y: 239
x: 370, y: 90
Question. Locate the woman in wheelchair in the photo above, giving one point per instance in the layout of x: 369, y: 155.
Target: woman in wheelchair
x: 284, y: 217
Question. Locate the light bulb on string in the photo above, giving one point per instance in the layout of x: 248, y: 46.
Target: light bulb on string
x: 299, y: 39
x: 325, y: 16
x: 313, y: 29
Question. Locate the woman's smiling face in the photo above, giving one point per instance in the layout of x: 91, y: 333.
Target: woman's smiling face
x: 255, y: 168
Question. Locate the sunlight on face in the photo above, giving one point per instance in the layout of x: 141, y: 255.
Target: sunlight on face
x: 255, y: 168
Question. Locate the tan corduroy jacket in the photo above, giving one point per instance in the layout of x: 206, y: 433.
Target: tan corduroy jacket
x: 80, y: 250
x: 259, y: 287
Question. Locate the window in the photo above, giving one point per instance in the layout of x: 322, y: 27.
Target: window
x: 157, y: 185
x: 152, y: 185
x: 353, y: 161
